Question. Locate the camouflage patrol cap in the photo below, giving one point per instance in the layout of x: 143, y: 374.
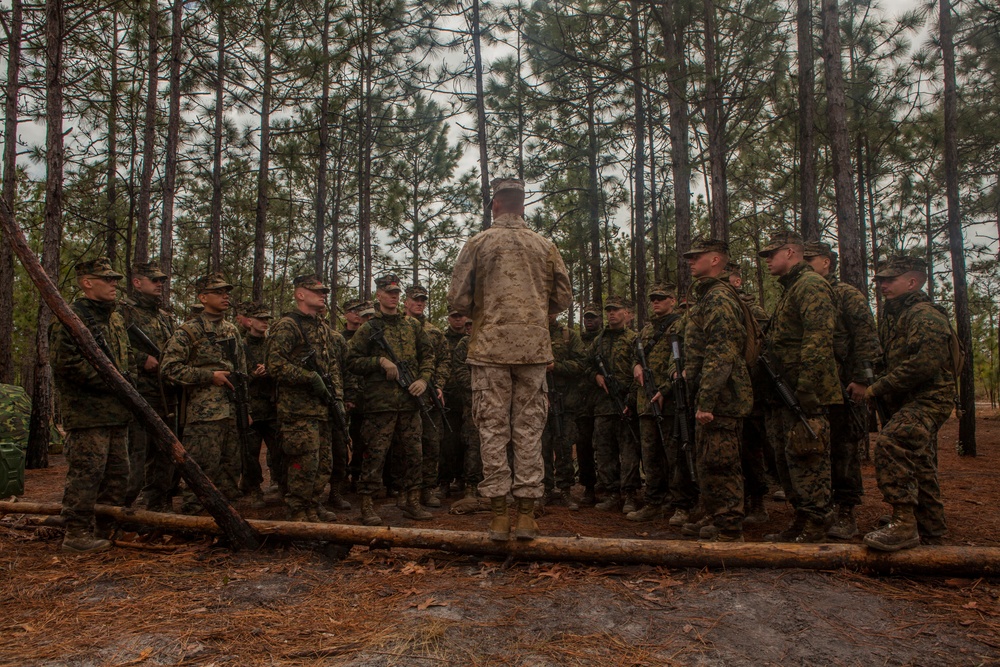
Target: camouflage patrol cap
x: 592, y: 309
x: 100, y: 267
x: 388, y: 282
x: 367, y: 309
x: 195, y: 309
x: 734, y: 268
x: 818, y: 249
x: 257, y: 310
x: 211, y: 281
x: 900, y: 264
x: 501, y: 184
x: 779, y: 240
x: 148, y: 270
x: 616, y: 302
x: 704, y: 244
x: 454, y: 313
x: 662, y: 289
x: 416, y: 292
x: 311, y: 282
x: 353, y: 304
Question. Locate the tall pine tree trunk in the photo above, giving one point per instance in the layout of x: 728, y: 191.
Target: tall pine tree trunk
x: 593, y: 196
x: 173, y: 141
x: 11, y: 92
x: 323, y: 149
x: 808, y: 198
x: 263, y: 164
x: 848, y: 233
x: 963, y: 319
x: 639, y: 205
x: 148, y: 136
x: 716, y: 129
x: 215, y: 231
x: 111, y: 192
x: 484, y: 165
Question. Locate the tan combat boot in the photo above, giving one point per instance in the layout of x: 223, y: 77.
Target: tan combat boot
x: 526, y: 528
x: 900, y: 533
x: 80, y: 541
x: 323, y: 515
x: 844, y: 525
x: 411, y: 507
x: 500, y: 523
x: 756, y: 512
x: 429, y: 499
x: 368, y: 515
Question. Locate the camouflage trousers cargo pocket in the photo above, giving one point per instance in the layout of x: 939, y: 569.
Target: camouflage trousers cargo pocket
x: 300, y: 437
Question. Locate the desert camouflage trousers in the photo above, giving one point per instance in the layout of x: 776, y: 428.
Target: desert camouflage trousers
x: 215, y: 447
x: 510, y: 407
x: 306, y: 445
x: 720, y: 473
x: 98, y: 472
x: 379, y: 429
x: 906, y: 463
x: 803, y: 462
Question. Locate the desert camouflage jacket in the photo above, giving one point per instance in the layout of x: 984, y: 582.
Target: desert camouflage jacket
x: 799, y: 338
x: 509, y: 279
x: 198, y: 348
x: 659, y: 358
x: 855, y: 340
x: 411, y: 345
x: 570, y: 364
x: 615, y: 347
x: 916, y: 339
x: 145, y: 312
x: 295, y: 343
x: 715, y: 336
x: 86, y: 400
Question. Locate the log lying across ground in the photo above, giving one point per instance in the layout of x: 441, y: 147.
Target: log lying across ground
x: 951, y: 560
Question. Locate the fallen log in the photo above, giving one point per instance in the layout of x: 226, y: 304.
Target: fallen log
x: 950, y: 560
x: 238, y: 532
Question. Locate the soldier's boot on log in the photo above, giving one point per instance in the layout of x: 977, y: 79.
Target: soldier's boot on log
x: 790, y: 533
x: 756, y: 512
x: 411, y: 508
x: 428, y: 498
x: 611, y: 503
x: 324, y: 515
x: 368, y: 515
x: 900, y: 533
x: 500, y: 523
x: 336, y: 501
x: 526, y: 527
x: 649, y: 512
x: 844, y: 525
x: 81, y: 541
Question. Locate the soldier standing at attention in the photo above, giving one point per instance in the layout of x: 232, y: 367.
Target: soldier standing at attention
x: 390, y: 410
x: 461, y: 381
x: 615, y: 447
x: 593, y: 322
x: 509, y: 279
x: 918, y: 388
x: 95, y: 420
x: 800, y: 344
x: 199, y: 358
x: 856, y: 347
x: 151, y: 469
x: 453, y: 451
x: 565, y: 375
x: 302, y: 359
x: 715, y: 337
x: 353, y: 398
x: 657, y: 462
x: 432, y: 423
x: 262, y: 406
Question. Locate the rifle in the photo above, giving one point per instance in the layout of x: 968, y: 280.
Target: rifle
x: 241, y: 395
x: 136, y: 332
x: 404, y: 378
x: 883, y: 414
x: 615, y: 390
x: 556, y: 407
x: 649, y: 387
x: 785, y: 393
x: 685, y: 416
x: 102, y: 343
x: 336, y: 406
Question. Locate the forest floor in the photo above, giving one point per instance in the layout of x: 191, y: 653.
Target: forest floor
x: 186, y: 601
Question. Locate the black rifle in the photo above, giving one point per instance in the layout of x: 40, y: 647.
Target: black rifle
x: 404, y: 378
x: 785, y: 393
x: 556, y: 408
x: 241, y: 394
x: 136, y: 332
x: 102, y: 343
x: 649, y: 387
x: 883, y: 414
x: 338, y: 413
x: 685, y: 415
x: 615, y: 390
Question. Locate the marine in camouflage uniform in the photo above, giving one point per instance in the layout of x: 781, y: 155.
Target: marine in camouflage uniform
x: 302, y: 359
x: 918, y: 390
x: 199, y: 359
x: 95, y: 420
x: 451, y: 464
x: 799, y: 342
x: 615, y: 446
x: 564, y: 375
x: 151, y: 470
x: 510, y: 279
x: 586, y: 398
x: 657, y: 462
x: 856, y: 347
x: 461, y: 382
x: 391, y: 412
x: 263, y: 393
x: 354, y: 390
x: 715, y: 337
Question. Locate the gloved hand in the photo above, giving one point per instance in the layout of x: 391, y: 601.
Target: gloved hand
x: 418, y: 387
x: 318, y: 387
x: 391, y: 372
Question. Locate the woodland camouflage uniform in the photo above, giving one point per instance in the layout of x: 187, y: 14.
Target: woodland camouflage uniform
x: 799, y: 341
x: 461, y: 383
x: 198, y: 348
x: 585, y: 399
x: 568, y: 372
x: 451, y: 462
x: 95, y: 419
x: 263, y: 393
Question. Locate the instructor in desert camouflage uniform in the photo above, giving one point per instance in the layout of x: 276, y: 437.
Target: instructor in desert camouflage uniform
x: 509, y: 279
x: 95, y: 420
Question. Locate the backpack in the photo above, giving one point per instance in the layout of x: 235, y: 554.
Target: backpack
x: 754, y: 344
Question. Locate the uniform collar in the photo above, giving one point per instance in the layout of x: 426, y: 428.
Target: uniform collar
x: 795, y: 273
x: 509, y: 220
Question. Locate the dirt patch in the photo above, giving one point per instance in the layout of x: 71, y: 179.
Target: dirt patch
x: 290, y: 605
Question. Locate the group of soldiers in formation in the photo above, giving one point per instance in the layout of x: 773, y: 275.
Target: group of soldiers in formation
x: 683, y: 421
